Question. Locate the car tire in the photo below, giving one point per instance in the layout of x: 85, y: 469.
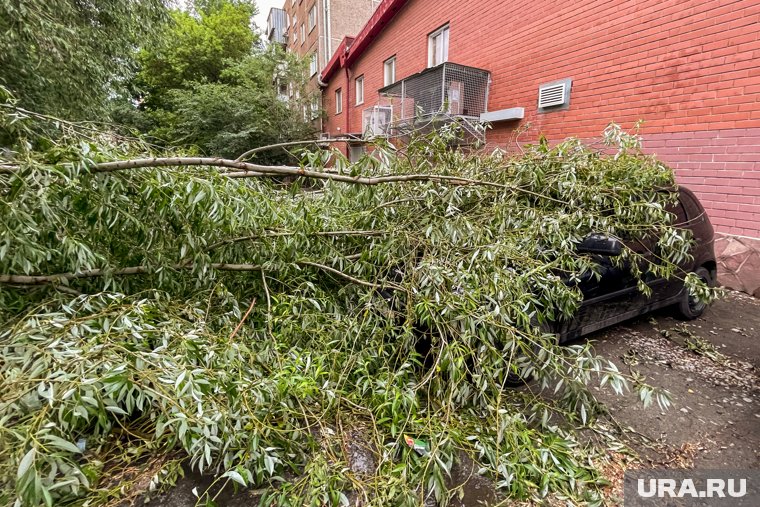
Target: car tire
x: 515, y: 379
x: 688, y: 307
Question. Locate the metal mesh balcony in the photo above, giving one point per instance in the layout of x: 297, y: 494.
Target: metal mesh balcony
x: 443, y: 92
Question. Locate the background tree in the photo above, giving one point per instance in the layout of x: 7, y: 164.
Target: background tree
x: 66, y: 57
x: 208, y: 83
x: 196, y: 48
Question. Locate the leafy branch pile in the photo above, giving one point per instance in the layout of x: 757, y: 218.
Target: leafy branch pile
x: 242, y: 317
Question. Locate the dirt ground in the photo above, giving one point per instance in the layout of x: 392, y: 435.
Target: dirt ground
x: 715, y: 418
x: 711, y: 367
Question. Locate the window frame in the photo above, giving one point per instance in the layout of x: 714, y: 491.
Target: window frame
x: 295, y: 29
x: 303, y: 33
x: 338, y: 101
x: 444, y: 32
x: 314, y: 107
x: 389, y: 63
x: 312, y: 17
x: 354, y: 150
x: 359, y: 90
x: 313, y: 64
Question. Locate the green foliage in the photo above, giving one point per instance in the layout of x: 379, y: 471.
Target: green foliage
x: 65, y: 57
x: 197, y: 47
x: 241, y: 111
x: 207, y: 85
x: 253, y: 373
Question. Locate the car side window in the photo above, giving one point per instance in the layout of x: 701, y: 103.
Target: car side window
x: 693, y: 210
x: 678, y: 210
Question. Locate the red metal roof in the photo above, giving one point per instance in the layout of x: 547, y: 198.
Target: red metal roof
x: 349, y: 51
x: 335, y: 62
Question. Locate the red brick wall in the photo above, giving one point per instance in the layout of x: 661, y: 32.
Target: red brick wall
x: 723, y: 168
x: 689, y: 69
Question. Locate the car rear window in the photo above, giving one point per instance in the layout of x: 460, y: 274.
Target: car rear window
x: 678, y: 210
x: 693, y: 209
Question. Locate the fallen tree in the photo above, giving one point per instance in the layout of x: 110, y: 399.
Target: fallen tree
x: 153, y: 304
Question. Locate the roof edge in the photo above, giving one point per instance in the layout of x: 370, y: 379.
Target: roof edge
x: 384, y: 13
x: 352, y: 47
x: 336, y: 62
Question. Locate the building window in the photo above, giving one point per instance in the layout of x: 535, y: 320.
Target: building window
x: 389, y: 71
x: 355, y: 152
x: 303, y: 33
x: 438, y: 46
x: 314, y: 108
x: 295, y: 28
x: 360, y: 90
x: 313, y: 64
x: 338, y: 101
x: 312, y: 17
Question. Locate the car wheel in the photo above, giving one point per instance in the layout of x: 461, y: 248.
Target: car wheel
x: 690, y: 307
x: 515, y: 379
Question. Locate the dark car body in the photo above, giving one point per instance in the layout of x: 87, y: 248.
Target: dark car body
x: 615, y: 297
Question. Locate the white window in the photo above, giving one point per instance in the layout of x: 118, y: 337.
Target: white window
x: 360, y: 90
x: 303, y: 33
x: 313, y: 64
x: 355, y: 152
x: 314, y: 108
x: 312, y: 17
x: 295, y: 28
x: 438, y: 46
x: 338, y: 101
x: 389, y: 71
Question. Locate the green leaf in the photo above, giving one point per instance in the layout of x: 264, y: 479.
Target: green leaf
x: 235, y: 476
x: 26, y: 462
x: 60, y: 443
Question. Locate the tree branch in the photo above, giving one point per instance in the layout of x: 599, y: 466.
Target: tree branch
x: 248, y: 170
x: 94, y: 273
x: 276, y: 234
x: 255, y: 170
x: 342, y: 274
x: 143, y: 270
x: 253, y: 151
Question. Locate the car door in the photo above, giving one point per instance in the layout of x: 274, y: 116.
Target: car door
x: 662, y: 289
x: 604, y: 299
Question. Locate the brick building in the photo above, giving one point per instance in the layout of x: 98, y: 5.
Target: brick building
x: 314, y: 28
x: 689, y: 69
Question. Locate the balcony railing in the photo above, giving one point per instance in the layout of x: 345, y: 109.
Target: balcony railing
x: 446, y: 91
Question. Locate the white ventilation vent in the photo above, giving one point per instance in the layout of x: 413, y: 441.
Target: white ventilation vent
x: 552, y: 95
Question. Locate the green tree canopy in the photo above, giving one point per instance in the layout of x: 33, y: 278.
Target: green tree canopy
x: 207, y: 83
x: 66, y: 57
x: 196, y: 48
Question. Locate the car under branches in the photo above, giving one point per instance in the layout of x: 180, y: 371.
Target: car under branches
x: 233, y: 316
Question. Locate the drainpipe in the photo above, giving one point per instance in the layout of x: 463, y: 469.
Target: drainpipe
x: 328, y: 33
x: 348, y: 102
